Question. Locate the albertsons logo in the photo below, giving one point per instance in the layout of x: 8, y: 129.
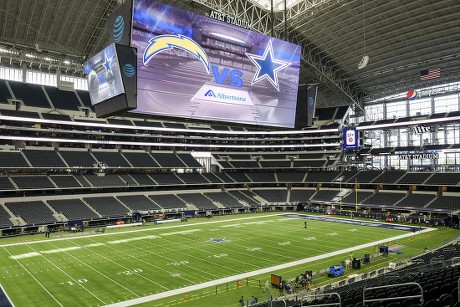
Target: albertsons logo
x: 223, y: 96
x: 210, y: 93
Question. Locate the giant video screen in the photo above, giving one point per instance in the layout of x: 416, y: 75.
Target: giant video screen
x: 197, y: 67
x: 103, y: 75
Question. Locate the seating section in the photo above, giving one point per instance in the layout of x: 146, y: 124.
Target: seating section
x: 212, y: 178
x: 128, y: 180
x: 414, y: 178
x: 352, y: 197
x: 32, y: 182
x: 225, y: 178
x: 82, y: 180
x: 66, y: 100
x: 65, y: 181
x: 11, y: 159
x: 326, y: 195
x: 347, y: 176
x: 367, y: 176
x: 105, y: 181
x: 301, y: 195
x: 142, y: 179
x: 168, y: 201
x: 389, y: 177
x: 111, y: 158
x: 140, y: 159
x: 322, y: 176
x: 121, y: 122
x: 78, y: 158
x: 192, y: 178
x: 73, y: 209
x: 107, y: 206
x: 446, y: 202
x: 5, y: 183
x: 416, y: 200
x: 261, y: 177
x: 275, y: 164
x: 4, y: 92
x: 224, y: 198
x: 239, y: 177
x: 4, y: 218
x: 290, y: 176
x: 31, y: 94
x: 166, y: 179
x: 309, y: 163
x: 138, y: 203
x: 273, y: 195
x: 189, y: 160
x: 444, y: 179
x: 32, y: 212
x: 15, y: 113
x: 56, y: 116
x: 85, y: 99
x: 41, y: 158
x: 168, y: 160
x: 244, y: 198
x: 198, y: 200
x: 384, y: 198
x: 245, y: 164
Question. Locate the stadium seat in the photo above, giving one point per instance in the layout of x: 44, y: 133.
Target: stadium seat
x: 446, y: 300
x: 432, y: 303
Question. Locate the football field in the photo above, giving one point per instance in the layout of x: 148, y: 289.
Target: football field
x: 130, y: 266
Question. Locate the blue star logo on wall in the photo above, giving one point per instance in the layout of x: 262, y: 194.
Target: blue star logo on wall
x: 267, y: 66
x: 107, y: 64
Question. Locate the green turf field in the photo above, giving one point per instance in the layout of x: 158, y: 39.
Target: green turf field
x: 94, y: 270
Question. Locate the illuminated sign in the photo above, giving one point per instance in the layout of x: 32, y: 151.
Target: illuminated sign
x: 229, y: 19
x: 350, y: 139
x: 197, y: 67
x: 103, y: 75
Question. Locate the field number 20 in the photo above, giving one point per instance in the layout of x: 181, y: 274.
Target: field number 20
x: 131, y: 272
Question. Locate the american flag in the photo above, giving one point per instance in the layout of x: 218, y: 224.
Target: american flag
x: 430, y: 74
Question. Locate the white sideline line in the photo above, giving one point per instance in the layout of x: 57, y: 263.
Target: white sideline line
x: 133, y: 231
x: 256, y: 272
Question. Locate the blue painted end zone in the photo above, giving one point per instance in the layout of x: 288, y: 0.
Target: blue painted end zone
x: 4, y: 299
x: 355, y: 222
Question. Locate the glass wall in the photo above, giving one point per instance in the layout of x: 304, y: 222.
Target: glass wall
x: 443, y: 134
x: 38, y: 77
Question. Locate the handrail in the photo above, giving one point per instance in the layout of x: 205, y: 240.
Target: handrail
x: 393, y: 298
x: 322, y: 295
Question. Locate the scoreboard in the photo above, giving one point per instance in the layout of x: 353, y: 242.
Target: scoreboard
x: 197, y: 67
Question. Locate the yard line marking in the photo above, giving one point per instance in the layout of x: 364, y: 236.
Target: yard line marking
x: 257, y: 272
x: 126, y: 268
x: 34, y: 278
x: 150, y: 264
x: 65, y: 273
x: 202, y: 259
x: 185, y: 265
x: 97, y: 271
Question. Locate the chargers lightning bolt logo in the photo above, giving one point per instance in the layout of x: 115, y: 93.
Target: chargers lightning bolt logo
x: 168, y: 41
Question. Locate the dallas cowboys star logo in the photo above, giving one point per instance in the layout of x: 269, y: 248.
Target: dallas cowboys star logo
x: 107, y: 64
x: 267, y: 66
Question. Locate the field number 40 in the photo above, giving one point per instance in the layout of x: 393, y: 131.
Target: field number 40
x: 131, y: 272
